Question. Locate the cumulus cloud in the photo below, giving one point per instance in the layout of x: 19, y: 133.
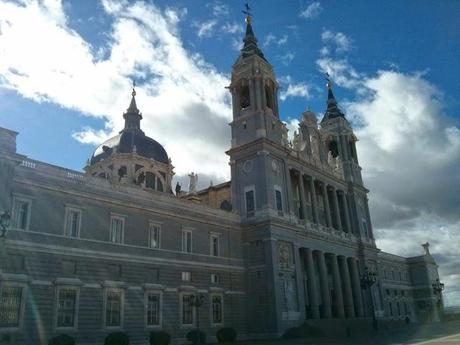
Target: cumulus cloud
x: 184, y: 101
x: 341, y: 71
x: 410, y: 153
x: 333, y: 62
x: 409, y: 149
x: 312, y: 11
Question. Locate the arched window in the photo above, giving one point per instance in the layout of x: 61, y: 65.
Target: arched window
x: 159, y: 185
x: 122, y: 172
x: 141, y: 178
x: 269, y: 96
x: 333, y: 148
x: 245, y: 99
x: 150, y: 180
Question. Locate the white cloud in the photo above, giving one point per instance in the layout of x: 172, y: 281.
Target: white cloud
x: 312, y: 11
x: 219, y: 9
x: 287, y: 58
x: 290, y: 88
x: 184, y: 104
x: 232, y: 28
x: 341, y: 71
x: 342, y: 42
x: 206, y: 28
x: 410, y: 154
x: 272, y: 39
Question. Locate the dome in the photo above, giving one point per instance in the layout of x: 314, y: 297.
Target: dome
x: 129, y: 142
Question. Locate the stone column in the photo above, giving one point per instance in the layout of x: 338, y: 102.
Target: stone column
x: 338, y: 221
x: 311, y: 284
x: 303, y: 200
x: 252, y: 84
x: 289, y: 193
x: 235, y: 102
x: 348, y: 294
x: 314, y: 202
x: 264, y: 96
x: 327, y: 210
x: 337, y: 287
x: 324, y: 282
x: 346, y: 211
x: 356, y: 284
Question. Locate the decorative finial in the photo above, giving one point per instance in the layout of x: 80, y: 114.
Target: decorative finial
x: 247, y: 12
x: 328, y: 80
x: 134, y: 90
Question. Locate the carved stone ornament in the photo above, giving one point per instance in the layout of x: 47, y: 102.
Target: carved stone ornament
x: 285, y: 255
x: 275, y: 166
x: 247, y: 166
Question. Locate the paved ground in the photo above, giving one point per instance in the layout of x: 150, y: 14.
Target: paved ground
x: 435, y: 334
x: 448, y: 340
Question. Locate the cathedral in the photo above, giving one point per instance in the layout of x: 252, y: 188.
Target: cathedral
x: 287, y: 241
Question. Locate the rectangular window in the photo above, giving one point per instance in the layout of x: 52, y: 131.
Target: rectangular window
x: 187, y: 241
x: 153, y: 309
x: 250, y: 204
x: 116, y: 229
x: 214, y: 242
x: 72, y: 222
x: 21, y: 213
x: 215, y: 278
x: 216, y: 305
x: 66, y: 308
x: 187, y: 310
x: 113, y: 308
x: 186, y: 276
x: 279, y: 200
x: 11, y: 299
x: 154, y: 235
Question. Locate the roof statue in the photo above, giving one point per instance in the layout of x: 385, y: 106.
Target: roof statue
x: 426, y: 247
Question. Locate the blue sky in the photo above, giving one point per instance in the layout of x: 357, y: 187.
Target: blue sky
x: 66, y: 69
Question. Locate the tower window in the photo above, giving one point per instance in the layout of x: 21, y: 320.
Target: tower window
x: 150, y: 180
x: 269, y: 97
x: 244, y: 97
x: 122, y: 172
x: 334, y: 148
x: 250, y: 201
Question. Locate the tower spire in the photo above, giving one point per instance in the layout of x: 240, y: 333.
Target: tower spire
x: 332, y: 110
x: 250, y: 46
x: 132, y: 116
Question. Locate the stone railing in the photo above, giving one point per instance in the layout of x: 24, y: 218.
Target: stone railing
x: 328, y: 231
x: 68, y: 175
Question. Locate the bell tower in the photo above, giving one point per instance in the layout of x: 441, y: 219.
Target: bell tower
x: 339, y: 138
x: 258, y: 135
x: 254, y: 94
x: 340, y: 143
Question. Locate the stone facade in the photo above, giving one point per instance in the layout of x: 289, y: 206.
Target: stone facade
x: 287, y: 240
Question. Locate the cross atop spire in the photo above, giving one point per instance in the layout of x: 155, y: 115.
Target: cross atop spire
x: 132, y: 116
